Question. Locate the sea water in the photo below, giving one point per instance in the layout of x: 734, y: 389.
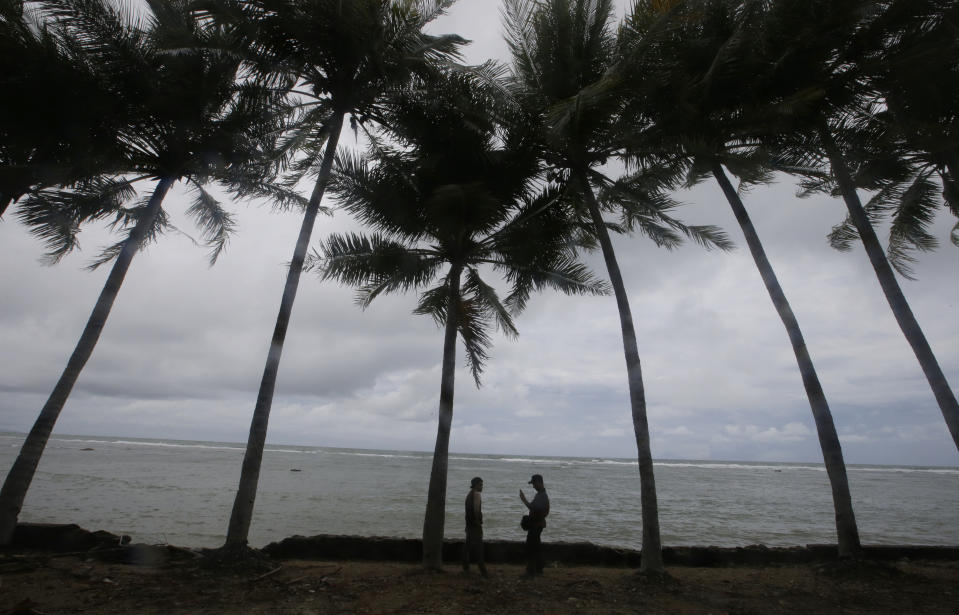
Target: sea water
x: 181, y: 493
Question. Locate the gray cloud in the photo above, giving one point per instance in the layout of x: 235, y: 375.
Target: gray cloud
x: 182, y: 354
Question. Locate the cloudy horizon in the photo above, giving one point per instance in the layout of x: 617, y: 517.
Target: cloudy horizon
x: 183, y: 351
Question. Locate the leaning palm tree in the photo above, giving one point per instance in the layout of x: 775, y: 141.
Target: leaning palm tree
x: 683, y: 68
x: 186, y: 120
x: 816, y: 82
x: 562, y: 51
x: 454, y: 193
x: 338, y: 60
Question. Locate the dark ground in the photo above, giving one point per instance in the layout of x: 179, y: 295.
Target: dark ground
x: 37, y: 582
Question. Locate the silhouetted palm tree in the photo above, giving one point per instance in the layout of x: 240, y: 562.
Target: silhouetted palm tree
x: 185, y: 120
x: 562, y: 52
x: 685, y: 69
x: 337, y: 59
x: 817, y: 83
x: 454, y: 193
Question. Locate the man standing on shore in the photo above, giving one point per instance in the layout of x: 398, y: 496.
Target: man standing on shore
x: 474, y: 527
x: 538, y: 510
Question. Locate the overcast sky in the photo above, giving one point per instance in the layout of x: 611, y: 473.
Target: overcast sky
x: 183, y: 351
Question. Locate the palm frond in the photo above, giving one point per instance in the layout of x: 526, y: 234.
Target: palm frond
x: 382, y: 195
x: 491, y: 73
x: 373, y: 264
x: 472, y: 322
x: 843, y: 235
x: 306, y: 139
x: 55, y: 216
x: 486, y: 299
x: 645, y: 207
x: 532, y: 213
x: 107, y: 254
x: 215, y: 223
x: 518, y: 16
x: 126, y: 219
x: 566, y: 275
x: 434, y: 302
x: 279, y: 197
x: 914, y: 215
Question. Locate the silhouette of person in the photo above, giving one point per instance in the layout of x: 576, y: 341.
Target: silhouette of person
x: 538, y: 510
x: 474, y: 527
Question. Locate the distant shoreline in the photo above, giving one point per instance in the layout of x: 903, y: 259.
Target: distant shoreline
x: 241, y: 446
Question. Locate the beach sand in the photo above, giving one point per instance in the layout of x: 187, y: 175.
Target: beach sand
x: 35, y: 582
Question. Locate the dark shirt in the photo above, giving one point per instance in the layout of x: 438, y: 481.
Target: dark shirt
x: 474, y: 509
x: 539, y: 509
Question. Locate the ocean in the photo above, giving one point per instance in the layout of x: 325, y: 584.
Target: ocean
x: 181, y: 492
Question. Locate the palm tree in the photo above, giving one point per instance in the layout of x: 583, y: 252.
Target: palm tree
x: 909, y: 54
x: 337, y: 59
x: 817, y: 85
x: 186, y: 120
x: 684, y: 68
x: 455, y: 192
x: 562, y: 51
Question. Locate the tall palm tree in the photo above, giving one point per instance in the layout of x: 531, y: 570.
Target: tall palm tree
x: 186, y: 120
x: 562, y: 50
x: 454, y: 193
x: 816, y: 82
x: 337, y: 59
x: 684, y: 68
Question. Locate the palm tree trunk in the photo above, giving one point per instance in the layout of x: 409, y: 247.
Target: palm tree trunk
x: 435, y: 520
x: 239, y: 527
x: 21, y: 474
x: 652, y: 555
x: 846, y: 529
x: 890, y: 287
